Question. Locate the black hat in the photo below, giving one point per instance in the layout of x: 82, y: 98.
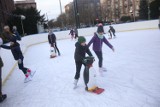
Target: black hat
x: 100, y: 28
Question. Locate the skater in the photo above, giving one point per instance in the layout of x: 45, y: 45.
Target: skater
x: 14, y: 30
x: 52, y: 41
x: 71, y: 33
x: 17, y: 53
x: 111, y: 31
x: 79, y: 55
x: 2, y: 96
x: 97, y: 41
x: 76, y: 33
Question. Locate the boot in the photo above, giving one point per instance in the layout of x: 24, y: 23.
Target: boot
x: 3, y: 97
x: 104, y: 69
x: 28, y: 78
x: 30, y: 72
x: 101, y: 71
x: 75, y: 83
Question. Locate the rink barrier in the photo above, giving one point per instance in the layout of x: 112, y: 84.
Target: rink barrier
x: 15, y: 65
x: 86, y: 32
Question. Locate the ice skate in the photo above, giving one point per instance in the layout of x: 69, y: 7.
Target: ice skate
x: 3, y: 97
x: 101, y: 72
x: 75, y: 83
x: 27, y: 79
x: 31, y: 73
x: 104, y: 69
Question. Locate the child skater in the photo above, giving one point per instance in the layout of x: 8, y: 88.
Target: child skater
x: 112, y: 31
x: 52, y: 41
x: 71, y: 33
x: 2, y: 96
x: 17, y: 53
x: 97, y: 41
x: 79, y: 55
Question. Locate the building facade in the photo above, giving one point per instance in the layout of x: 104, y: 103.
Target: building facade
x: 6, y: 7
x: 25, y: 4
x: 115, y: 9
x: 88, y: 11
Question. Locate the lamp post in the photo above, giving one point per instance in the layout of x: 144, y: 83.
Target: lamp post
x: 76, y: 13
x: 22, y: 18
x: 61, y: 12
x: 148, y: 10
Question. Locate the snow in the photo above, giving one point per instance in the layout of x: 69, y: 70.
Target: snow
x: 132, y: 79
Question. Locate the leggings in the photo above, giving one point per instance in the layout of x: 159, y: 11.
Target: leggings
x: 78, y: 69
x: 57, y: 49
x: 100, y: 57
x: 21, y: 66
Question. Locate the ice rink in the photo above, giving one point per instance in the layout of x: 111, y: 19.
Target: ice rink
x: 132, y: 79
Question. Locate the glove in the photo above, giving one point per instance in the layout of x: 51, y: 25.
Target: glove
x: 19, y: 61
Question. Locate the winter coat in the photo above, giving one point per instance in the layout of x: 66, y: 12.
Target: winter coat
x: 112, y: 30
x: 8, y: 36
x: 51, y: 38
x: 71, y: 32
x: 80, y: 52
x: 17, y: 34
x: 97, y: 43
x: 15, y: 49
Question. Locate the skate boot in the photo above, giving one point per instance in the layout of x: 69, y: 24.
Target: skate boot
x: 28, y: 78
x: 101, y: 71
x: 104, y: 69
x: 31, y: 73
x: 3, y: 97
x: 75, y: 83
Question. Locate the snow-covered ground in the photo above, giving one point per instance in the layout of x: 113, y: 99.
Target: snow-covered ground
x: 132, y: 79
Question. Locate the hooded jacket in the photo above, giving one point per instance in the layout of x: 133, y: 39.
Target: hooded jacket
x: 80, y: 52
x: 98, y: 42
x: 15, y: 49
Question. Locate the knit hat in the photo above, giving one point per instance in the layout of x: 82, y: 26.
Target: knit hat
x: 6, y: 27
x: 81, y: 39
x: 100, y: 28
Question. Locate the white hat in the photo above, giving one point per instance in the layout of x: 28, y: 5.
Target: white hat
x: 6, y: 27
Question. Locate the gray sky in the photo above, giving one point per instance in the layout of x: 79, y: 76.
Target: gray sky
x: 51, y: 7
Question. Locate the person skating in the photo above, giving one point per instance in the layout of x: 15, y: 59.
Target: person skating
x: 71, y: 33
x: 17, y: 53
x: 52, y: 41
x: 112, y: 31
x: 79, y: 55
x: 2, y: 96
x: 14, y: 30
x: 97, y: 41
x: 76, y: 33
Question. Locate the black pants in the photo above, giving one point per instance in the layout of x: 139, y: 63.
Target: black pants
x: 100, y: 57
x: 21, y: 66
x: 56, y: 49
x: 0, y: 81
x: 78, y: 69
x: 111, y: 34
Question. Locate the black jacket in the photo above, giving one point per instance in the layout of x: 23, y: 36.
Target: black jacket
x: 15, y: 49
x: 52, y: 38
x: 80, y: 52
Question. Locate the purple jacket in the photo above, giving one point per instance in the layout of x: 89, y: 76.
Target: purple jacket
x: 97, y: 43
